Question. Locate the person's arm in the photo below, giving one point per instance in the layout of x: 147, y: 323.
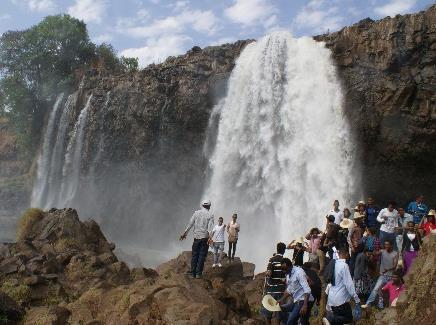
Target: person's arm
x: 403, y: 246
x: 349, y: 285
x: 302, y: 279
x: 188, y: 227
x: 228, y: 227
x: 380, y: 216
x: 387, y: 286
x: 210, y: 225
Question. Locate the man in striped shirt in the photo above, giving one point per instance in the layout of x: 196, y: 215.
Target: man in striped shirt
x: 275, y: 279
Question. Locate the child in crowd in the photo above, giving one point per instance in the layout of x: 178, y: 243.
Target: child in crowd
x: 218, y: 242
x: 395, y: 286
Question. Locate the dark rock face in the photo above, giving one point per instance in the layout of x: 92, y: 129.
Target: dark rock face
x: 388, y: 69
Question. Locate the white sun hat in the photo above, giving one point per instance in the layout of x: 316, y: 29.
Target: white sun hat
x: 205, y: 203
x: 270, y: 304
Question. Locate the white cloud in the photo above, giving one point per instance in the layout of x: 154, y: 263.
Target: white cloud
x: 251, y: 12
x: 90, y: 11
x: 318, y: 16
x: 200, y: 21
x: 158, y: 49
x: 395, y: 7
x: 41, y: 5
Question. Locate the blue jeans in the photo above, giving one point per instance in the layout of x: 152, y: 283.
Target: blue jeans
x: 218, y: 249
x: 199, y: 253
x: 381, y: 281
x: 292, y: 312
x: 388, y: 236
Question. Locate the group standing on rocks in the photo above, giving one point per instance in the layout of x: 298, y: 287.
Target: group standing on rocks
x: 356, y: 257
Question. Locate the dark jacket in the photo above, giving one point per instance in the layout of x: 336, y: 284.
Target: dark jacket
x: 416, y: 242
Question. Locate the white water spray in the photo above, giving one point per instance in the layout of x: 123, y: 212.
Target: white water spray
x: 283, y: 151
x: 40, y: 187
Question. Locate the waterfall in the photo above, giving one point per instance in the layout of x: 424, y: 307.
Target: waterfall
x: 283, y: 148
x: 73, y: 158
x: 44, y: 163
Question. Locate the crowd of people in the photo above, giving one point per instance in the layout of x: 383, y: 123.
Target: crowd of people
x: 355, y: 257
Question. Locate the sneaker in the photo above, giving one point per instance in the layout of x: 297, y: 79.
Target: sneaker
x: 364, y: 306
x: 199, y: 276
x: 219, y: 265
x: 213, y: 265
x: 325, y: 321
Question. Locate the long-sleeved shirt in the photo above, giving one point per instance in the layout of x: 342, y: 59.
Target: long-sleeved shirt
x: 275, y: 284
x: 343, y: 290
x: 391, y: 221
x: 296, y: 284
x: 202, y: 222
x: 403, y: 220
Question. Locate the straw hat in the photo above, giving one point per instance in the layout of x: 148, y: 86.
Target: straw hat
x: 431, y: 213
x: 270, y: 304
x: 361, y: 203
x: 357, y: 215
x: 346, y: 223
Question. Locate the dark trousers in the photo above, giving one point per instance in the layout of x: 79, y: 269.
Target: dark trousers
x: 199, y: 253
x: 341, y: 315
x: 304, y: 320
x: 232, y: 245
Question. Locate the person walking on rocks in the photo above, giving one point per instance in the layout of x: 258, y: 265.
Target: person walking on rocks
x: 336, y: 212
x: 218, y: 242
x: 388, y: 218
x: 202, y: 223
x: 233, y: 229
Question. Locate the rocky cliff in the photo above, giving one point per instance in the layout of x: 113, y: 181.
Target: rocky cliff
x: 388, y: 69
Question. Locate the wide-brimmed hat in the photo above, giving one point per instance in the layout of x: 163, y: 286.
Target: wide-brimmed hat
x: 357, y: 215
x: 270, y: 304
x: 431, y: 213
x: 361, y: 203
x: 206, y: 203
x: 346, y: 223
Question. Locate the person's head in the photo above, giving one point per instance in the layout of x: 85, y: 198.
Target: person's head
x: 336, y: 204
x: 391, y: 205
x: 397, y: 277
x: 410, y: 226
x: 401, y: 212
x: 331, y: 218
x: 234, y: 216
x: 370, y: 201
x: 281, y: 248
x: 347, y: 213
x: 359, y: 221
x: 419, y: 198
x: 388, y: 245
x: 430, y: 218
x: 220, y: 221
x: 361, y: 207
x: 286, y: 265
x: 314, y: 232
x: 343, y: 252
x: 206, y: 204
x: 371, y: 231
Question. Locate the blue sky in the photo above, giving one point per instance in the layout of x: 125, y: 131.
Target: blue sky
x: 155, y: 29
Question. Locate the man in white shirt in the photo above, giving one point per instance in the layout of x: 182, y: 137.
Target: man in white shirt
x: 218, y: 242
x: 298, y: 288
x: 338, y: 214
x: 388, y: 217
x: 202, y: 222
x: 340, y: 293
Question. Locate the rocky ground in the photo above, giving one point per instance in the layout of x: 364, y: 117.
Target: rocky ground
x: 63, y: 271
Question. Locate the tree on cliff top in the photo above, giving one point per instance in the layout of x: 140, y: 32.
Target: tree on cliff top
x: 38, y: 63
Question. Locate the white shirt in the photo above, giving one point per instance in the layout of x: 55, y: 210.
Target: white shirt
x: 389, y: 218
x: 296, y: 283
x: 218, y: 233
x: 343, y: 290
x: 202, y: 221
x: 338, y: 216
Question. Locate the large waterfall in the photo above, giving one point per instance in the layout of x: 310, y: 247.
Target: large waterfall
x: 283, y: 151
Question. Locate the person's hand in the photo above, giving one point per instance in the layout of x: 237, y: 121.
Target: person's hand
x: 183, y: 236
x: 303, y: 309
x: 268, y: 273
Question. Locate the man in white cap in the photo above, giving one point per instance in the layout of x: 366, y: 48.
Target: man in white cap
x: 202, y: 221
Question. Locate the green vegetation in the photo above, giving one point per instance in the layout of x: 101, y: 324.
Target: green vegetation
x: 38, y: 63
x: 27, y: 223
x: 19, y: 292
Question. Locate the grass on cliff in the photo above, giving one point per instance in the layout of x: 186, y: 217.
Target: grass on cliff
x: 27, y: 223
x: 18, y: 292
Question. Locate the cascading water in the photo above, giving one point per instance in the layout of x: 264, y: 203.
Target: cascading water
x: 283, y: 150
x: 44, y: 162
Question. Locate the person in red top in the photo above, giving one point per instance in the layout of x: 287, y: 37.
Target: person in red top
x: 394, y: 287
x: 430, y: 224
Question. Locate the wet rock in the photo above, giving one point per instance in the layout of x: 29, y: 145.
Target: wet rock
x: 10, y: 308
x: 34, y: 280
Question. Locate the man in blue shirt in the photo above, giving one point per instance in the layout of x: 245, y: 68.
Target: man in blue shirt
x: 340, y: 293
x: 371, y: 214
x: 298, y: 288
x: 417, y: 209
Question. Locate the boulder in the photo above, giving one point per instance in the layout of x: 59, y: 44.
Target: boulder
x: 10, y: 308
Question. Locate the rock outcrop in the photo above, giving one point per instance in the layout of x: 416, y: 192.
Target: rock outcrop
x: 63, y: 271
x: 388, y: 69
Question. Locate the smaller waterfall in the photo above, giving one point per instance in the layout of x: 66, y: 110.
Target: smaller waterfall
x: 44, y: 162
x: 71, y: 169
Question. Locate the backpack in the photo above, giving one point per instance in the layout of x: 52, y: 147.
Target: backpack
x: 329, y: 272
